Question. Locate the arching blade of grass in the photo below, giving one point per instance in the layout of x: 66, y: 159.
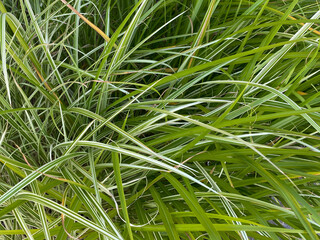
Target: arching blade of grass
x: 68, y: 223
x: 42, y: 213
x: 22, y: 223
x: 34, y: 175
x: 75, y: 216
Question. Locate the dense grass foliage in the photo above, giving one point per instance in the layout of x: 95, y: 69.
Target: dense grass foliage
x: 167, y: 119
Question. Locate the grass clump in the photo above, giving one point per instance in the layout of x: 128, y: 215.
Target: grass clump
x: 159, y: 119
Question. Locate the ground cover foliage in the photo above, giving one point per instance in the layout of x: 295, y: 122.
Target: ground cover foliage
x: 168, y: 119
